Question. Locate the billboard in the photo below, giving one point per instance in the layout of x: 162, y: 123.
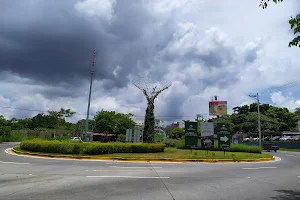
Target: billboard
x: 217, y: 107
x: 207, y: 134
x: 207, y: 129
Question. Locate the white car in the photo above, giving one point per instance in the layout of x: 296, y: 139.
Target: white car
x: 75, y: 139
x: 285, y: 138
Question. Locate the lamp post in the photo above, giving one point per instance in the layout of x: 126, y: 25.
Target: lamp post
x: 258, y: 117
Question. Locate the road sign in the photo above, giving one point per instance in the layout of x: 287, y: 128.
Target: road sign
x: 191, y: 137
x: 224, y: 135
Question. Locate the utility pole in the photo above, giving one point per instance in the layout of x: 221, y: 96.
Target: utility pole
x: 92, y: 71
x: 258, y: 117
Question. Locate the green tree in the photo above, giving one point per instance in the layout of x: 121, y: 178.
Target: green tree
x: 176, y: 133
x: 112, y: 122
x: 294, y: 23
x: 58, y: 118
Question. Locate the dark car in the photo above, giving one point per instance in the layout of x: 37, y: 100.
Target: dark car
x: 269, y: 147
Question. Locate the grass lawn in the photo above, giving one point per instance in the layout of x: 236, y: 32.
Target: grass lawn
x: 173, y: 153
x: 292, y: 150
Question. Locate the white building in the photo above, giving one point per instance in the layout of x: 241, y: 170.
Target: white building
x: 159, y: 126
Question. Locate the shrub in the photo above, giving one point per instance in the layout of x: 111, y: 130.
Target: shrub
x: 91, y: 148
x: 170, y: 142
x: 180, y: 145
x: 233, y: 148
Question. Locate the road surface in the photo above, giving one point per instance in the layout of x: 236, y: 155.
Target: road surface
x: 23, y: 178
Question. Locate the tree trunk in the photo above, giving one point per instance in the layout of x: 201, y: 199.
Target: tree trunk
x: 148, y: 135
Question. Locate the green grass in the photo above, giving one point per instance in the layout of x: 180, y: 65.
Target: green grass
x: 292, y: 150
x: 173, y: 153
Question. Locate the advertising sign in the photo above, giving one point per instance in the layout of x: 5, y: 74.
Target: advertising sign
x: 191, y: 137
x: 224, y: 135
x: 207, y: 128
x: 217, y: 107
x: 207, y: 134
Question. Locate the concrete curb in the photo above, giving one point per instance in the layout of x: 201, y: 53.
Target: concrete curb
x: 141, y: 159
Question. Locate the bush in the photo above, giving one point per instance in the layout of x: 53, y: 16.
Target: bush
x: 91, y: 148
x: 170, y: 142
x: 245, y: 148
x: 233, y: 148
x: 180, y: 145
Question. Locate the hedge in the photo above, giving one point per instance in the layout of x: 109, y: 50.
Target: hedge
x: 233, y: 148
x: 90, y: 148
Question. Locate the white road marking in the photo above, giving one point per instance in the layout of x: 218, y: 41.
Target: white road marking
x: 135, y: 167
x: 14, y: 163
x: 292, y: 156
x: 259, y: 168
x: 143, y: 177
x: 298, y: 176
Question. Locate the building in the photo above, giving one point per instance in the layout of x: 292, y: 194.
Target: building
x: 159, y: 126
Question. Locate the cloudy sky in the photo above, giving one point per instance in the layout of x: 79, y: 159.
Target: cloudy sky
x: 203, y: 47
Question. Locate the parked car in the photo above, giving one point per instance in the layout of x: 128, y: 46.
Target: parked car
x: 285, y: 138
x: 295, y: 138
x: 275, y: 138
x: 268, y: 138
x: 75, y: 139
x: 269, y: 147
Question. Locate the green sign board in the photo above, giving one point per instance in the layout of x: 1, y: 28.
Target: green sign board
x: 191, y: 137
x: 224, y: 135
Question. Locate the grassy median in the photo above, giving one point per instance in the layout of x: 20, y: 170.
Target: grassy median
x: 173, y: 153
x: 291, y: 150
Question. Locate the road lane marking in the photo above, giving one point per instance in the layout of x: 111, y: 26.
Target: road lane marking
x: 142, y: 177
x: 135, y: 167
x: 298, y: 176
x: 259, y: 168
x: 292, y: 156
x: 14, y: 163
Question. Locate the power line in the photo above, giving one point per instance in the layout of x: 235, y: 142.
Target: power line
x: 286, y: 86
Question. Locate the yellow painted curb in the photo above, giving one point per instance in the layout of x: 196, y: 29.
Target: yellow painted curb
x: 141, y: 159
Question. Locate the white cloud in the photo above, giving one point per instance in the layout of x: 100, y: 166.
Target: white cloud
x: 223, y: 48
x: 100, y: 8
x: 284, y: 101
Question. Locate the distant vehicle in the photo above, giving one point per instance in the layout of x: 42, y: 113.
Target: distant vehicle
x: 246, y: 139
x: 269, y: 147
x: 75, y: 139
x: 295, y: 138
x: 268, y: 138
x: 285, y: 138
x: 275, y: 138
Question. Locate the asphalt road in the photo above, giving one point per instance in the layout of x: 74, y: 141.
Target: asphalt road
x: 24, y: 178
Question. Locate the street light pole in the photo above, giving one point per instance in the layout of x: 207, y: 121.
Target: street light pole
x: 258, y: 117
x: 93, y: 64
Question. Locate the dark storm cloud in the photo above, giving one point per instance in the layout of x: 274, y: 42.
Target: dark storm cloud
x: 51, y: 43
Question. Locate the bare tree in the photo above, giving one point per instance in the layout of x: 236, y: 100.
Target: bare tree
x: 151, y: 88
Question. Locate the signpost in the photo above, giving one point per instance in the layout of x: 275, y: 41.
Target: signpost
x: 207, y: 134
x: 191, y: 137
x: 224, y: 135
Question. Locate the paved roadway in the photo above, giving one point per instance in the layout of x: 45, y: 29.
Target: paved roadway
x: 24, y: 178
